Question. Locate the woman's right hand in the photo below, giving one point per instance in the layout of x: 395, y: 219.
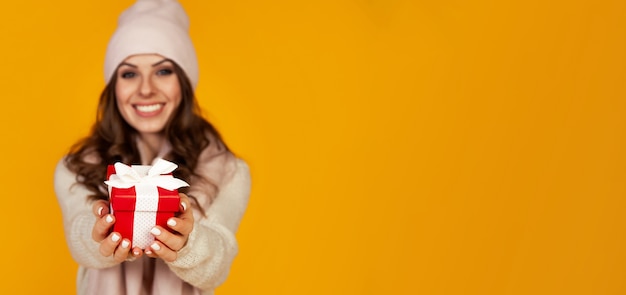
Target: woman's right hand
x: 110, y: 242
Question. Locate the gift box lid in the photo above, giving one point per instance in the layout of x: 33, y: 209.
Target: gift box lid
x: 124, y: 199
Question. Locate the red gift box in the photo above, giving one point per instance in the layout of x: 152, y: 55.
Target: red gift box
x: 139, y: 204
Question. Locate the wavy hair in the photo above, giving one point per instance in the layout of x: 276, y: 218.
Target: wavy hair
x: 113, y: 140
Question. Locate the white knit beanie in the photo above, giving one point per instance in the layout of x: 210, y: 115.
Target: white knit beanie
x: 153, y: 27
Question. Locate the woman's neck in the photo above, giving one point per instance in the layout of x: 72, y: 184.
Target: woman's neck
x: 150, y: 147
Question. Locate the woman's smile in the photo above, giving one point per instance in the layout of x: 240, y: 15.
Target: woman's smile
x: 149, y: 110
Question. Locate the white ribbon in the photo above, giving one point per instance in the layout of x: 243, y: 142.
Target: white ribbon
x: 128, y: 176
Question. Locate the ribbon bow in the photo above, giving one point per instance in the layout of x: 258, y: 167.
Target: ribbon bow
x: 128, y: 176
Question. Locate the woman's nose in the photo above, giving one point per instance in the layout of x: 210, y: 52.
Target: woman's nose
x: 146, y: 88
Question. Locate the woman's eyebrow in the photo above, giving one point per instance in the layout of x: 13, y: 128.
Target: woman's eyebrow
x: 127, y: 64
x: 160, y: 62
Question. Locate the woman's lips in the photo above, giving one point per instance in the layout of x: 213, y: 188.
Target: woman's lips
x: 149, y: 109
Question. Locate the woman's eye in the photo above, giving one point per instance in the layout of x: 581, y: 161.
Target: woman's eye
x: 127, y: 75
x: 164, y: 72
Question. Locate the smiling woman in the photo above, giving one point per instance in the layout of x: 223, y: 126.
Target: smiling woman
x: 147, y: 92
x: 148, y: 112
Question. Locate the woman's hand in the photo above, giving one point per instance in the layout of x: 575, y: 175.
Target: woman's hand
x: 169, y: 241
x: 110, y: 242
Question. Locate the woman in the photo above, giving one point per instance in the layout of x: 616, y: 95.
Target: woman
x: 148, y: 111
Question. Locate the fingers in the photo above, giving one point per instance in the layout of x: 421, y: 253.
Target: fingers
x: 108, y: 245
x: 183, y: 223
x: 137, y: 252
x: 184, y: 203
x: 100, y: 208
x: 169, y: 241
x: 103, y: 224
x: 119, y: 248
x: 150, y: 254
x: 160, y: 250
x: 122, y: 252
x: 180, y: 226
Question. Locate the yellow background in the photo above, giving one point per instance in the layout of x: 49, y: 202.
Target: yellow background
x: 396, y: 147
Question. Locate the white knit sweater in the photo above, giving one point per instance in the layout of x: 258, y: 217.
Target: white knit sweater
x: 201, y: 266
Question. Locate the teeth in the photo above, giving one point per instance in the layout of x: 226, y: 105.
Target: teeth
x: 148, y: 108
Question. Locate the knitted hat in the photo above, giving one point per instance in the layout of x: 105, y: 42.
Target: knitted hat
x: 153, y: 26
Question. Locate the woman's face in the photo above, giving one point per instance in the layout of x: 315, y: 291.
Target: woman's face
x: 147, y: 92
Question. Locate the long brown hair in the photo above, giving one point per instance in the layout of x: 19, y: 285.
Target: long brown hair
x: 112, y: 139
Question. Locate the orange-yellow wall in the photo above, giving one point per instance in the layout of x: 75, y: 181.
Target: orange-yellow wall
x: 396, y: 147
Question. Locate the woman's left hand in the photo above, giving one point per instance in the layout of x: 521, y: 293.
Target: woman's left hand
x: 169, y: 241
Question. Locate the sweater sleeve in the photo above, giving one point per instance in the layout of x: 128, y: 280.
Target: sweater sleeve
x: 78, y: 219
x: 211, y: 248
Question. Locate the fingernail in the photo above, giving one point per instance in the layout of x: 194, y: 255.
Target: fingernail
x: 109, y: 219
x: 171, y: 222
x: 100, y: 211
x: 155, y: 231
x: 115, y: 237
x: 184, y: 206
x: 148, y: 252
x: 136, y: 252
x: 125, y: 244
x: 155, y: 247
